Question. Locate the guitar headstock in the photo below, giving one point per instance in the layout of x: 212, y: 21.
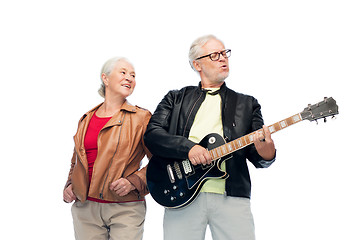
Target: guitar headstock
x: 323, y: 109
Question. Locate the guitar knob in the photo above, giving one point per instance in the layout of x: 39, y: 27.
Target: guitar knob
x: 181, y: 194
x: 173, y: 198
x: 175, y: 187
x: 166, y: 192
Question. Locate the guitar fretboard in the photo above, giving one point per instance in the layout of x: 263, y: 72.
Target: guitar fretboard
x: 248, y: 139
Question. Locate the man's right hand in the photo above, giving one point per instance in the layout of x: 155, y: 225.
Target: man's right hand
x: 199, y: 155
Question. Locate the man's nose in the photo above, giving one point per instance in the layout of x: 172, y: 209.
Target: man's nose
x: 221, y: 57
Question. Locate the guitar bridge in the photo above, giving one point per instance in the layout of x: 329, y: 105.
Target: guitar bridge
x: 177, y: 170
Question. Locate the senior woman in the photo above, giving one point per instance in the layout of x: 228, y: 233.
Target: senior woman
x: 105, y: 179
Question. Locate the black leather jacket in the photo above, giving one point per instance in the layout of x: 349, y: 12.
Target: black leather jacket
x: 240, y: 115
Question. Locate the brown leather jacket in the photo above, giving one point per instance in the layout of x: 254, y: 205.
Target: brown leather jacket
x: 120, y: 151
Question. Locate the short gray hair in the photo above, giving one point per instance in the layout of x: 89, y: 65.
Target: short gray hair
x: 195, y: 48
x: 106, y: 69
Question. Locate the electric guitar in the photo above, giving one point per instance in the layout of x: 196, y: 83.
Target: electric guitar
x: 175, y: 183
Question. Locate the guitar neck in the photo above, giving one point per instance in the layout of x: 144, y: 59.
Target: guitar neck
x: 248, y: 139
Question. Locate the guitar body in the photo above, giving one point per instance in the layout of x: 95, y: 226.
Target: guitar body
x: 175, y: 183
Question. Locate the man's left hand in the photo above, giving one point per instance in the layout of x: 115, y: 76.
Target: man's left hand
x: 264, y: 144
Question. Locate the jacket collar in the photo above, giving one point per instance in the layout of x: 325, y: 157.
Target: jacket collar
x: 221, y: 90
x: 125, y: 107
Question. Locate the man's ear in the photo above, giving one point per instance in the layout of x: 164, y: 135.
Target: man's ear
x: 197, y: 66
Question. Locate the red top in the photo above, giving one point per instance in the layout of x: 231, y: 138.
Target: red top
x: 91, y: 147
x: 90, y: 143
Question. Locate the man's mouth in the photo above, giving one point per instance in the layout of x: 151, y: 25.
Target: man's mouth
x: 127, y: 86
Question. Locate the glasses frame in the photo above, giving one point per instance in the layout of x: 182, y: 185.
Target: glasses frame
x: 223, y: 53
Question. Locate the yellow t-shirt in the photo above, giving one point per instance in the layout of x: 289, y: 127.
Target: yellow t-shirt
x: 208, y: 120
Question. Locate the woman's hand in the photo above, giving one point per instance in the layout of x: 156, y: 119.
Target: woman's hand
x: 122, y: 187
x: 68, y: 194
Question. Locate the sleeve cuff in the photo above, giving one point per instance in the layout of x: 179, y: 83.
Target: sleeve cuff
x: 138, y: 184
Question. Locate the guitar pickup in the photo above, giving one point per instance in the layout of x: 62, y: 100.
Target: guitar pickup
x: 187, y: 167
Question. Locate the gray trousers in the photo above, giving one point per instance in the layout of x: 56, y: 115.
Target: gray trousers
x: 229, y: 218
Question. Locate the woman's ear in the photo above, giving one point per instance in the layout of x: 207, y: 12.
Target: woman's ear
x: 105, y: 79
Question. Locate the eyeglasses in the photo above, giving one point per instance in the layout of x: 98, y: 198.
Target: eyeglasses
x: 216, y: 55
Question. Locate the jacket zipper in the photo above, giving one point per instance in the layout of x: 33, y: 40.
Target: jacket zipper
x: 137, y: 154
x: 101, y: 195
x: 192, y: 109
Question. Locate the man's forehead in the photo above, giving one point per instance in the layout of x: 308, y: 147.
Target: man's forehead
x: 213, y: 45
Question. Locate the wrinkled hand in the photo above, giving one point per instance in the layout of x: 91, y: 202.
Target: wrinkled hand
x: 264, y: 144
x: 199, y: 155
x: 122, y: 187
x: 68, y: 194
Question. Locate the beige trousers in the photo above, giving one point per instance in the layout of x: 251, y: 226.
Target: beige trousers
x: 103, y: 221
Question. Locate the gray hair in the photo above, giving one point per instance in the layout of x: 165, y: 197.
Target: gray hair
x: 106, y: 69
x: 195, y: 48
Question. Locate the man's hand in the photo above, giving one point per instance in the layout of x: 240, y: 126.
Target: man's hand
x: 264, y: 144
x: 199, y: 155
x: 122, y: 187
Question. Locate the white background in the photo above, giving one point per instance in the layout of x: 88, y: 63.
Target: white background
x: 285, y: 53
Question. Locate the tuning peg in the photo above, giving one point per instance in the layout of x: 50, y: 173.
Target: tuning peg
x: 316, y: 122
x: 325, y: 120
x: 309, y: 107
